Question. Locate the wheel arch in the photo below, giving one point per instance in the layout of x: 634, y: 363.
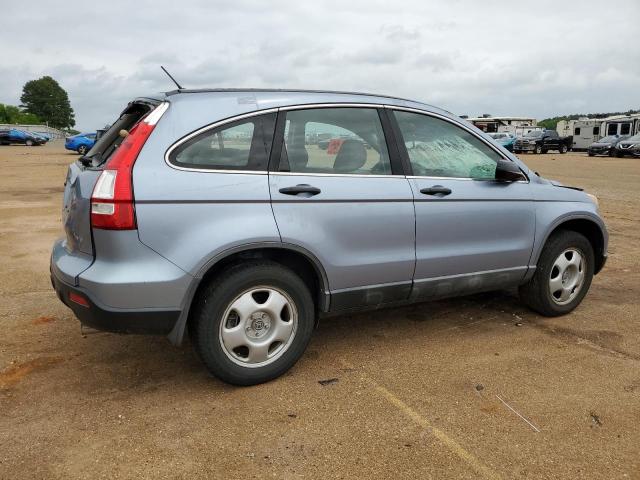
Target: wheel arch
x: 588, y: 226
x: 297, y: 258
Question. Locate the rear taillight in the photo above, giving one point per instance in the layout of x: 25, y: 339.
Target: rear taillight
x: 112, y: 198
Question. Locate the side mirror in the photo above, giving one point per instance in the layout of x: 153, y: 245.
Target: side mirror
x: 507, y: 171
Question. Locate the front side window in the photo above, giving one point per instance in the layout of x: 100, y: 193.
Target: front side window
x: 335, y: 141
x: 438, y: 148
x: 241, y: 145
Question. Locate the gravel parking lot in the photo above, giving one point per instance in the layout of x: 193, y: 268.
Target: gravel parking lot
x: 477, y: 387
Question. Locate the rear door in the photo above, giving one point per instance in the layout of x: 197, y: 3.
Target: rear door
x: 472, y: 233
x: 338, y: 191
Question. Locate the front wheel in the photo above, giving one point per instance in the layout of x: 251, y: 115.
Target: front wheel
x: 563, y: 275
x: 563, y: 149
x: 538, y: 149
x: 29, y: 143
x: 82, y: 149
x: 252, y: 323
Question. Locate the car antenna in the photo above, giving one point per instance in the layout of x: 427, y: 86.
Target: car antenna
x: 172, y: 79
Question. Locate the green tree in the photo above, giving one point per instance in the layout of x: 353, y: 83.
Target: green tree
x: 46, y: 99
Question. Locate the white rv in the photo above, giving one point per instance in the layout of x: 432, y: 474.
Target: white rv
x: 585, y: 131
x: 514, y: 125
x: 622, y: 125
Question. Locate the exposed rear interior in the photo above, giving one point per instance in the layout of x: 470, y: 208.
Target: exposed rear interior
x: 110, y: 140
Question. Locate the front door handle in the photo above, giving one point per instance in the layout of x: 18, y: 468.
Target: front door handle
x: 436, y: 190
x: 302, y: 188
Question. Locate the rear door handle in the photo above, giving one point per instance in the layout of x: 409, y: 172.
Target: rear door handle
x: 298, y: 189
x: 436, y: 190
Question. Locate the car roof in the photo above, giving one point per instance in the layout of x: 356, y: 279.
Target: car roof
x: 273, y: 97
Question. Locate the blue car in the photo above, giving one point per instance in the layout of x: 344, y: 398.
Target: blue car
x: 14, y: 135
x: 80, y: 143
x: 505, y: 139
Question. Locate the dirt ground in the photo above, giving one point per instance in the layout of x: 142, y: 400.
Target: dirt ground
x: 478, y: 387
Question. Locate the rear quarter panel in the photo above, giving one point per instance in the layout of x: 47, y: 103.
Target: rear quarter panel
x: 190, y: 217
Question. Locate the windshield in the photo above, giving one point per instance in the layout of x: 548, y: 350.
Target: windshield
x: 535, y: 134
x: 635, y: 138
x: 609, y: 139
x: 498, y: 135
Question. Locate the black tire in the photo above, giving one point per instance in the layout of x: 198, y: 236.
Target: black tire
x: 611, y: 152
x: 536, y: 293
x: 591, y: 154
x: 563, y: 149
x: 538, y: 149
x: 213, y: 302
x: 82, y: 149
x: 619, y: 155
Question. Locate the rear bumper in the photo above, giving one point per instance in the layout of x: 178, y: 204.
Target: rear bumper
x: 114, y: 320
x: 128, y: 289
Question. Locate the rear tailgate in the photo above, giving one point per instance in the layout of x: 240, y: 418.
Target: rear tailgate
x: 75, y: 253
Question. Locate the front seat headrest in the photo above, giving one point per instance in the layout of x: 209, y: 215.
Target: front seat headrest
x: 351, y: 157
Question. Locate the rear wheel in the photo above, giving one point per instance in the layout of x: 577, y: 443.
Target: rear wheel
x: 82, y: 149
x: 591, y: 154
x: 563, y: 149
x: 563, y: 275
x: 29, y: 143
x: 538, y: 149
x: 253, y: 323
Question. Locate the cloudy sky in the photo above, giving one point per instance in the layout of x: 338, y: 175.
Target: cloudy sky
x: 539, y: 58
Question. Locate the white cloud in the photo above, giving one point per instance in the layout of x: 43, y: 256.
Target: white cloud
x: 532, y: 58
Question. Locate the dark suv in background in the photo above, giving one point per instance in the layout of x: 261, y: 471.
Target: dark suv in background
x: 629, y: 147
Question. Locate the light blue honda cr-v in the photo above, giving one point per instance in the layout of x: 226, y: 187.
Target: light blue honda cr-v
x: 242, y: 216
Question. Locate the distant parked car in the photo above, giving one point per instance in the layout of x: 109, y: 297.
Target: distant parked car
x: 606, y: 145
x: 505, y: 139
x: 541, y: 141
x: 629, y: 146
x: 80, y: 143
x: 21, y: 137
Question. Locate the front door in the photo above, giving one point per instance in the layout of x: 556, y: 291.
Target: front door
x: 472, y: 232
x: 335, y: 192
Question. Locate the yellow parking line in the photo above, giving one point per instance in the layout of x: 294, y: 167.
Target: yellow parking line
x: 449, y: 442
